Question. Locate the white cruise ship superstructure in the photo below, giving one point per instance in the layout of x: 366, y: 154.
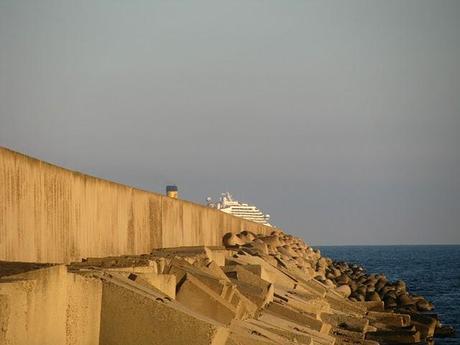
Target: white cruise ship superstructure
x: 228, y: 205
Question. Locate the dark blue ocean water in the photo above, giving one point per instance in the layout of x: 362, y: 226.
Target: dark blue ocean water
x: 430, y: 271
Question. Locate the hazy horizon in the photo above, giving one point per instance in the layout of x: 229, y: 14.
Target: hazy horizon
x: 339, y: 119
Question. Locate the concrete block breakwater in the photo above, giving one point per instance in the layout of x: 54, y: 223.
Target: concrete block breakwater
x: 154, y: 272
x: 265, y: 291
x: 54, y: 215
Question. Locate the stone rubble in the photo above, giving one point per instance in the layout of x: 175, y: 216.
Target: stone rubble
x: 255, y: 289
x: 393, y: 314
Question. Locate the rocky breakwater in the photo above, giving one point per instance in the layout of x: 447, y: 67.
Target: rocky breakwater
x: 254, y: 290
x: 385, y: 301
x: 359, y: 286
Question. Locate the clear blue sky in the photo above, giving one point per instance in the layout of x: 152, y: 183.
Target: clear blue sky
x: 339, y: 118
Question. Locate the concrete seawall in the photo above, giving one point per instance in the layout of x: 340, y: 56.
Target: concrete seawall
x: 50, y: 214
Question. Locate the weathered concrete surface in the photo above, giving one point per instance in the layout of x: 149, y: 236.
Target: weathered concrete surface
x: 50, y: 214
x: 130, y: 317
x: 49, y: 306
x: 37, y: 293
x: 166, y: 283
x: 197, y: 296
x: 83, y: 310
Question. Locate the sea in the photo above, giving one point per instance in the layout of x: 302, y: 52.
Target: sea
x: 432, y: 271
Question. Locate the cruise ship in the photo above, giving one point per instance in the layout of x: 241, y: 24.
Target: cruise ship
x: 228, y: 205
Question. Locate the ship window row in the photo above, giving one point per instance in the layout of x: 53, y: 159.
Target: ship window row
x: 250, y: 214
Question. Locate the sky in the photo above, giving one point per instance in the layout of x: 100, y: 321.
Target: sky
x: 341, y: 119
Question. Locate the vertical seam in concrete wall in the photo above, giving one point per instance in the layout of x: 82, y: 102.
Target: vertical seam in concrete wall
x: 131, y: 234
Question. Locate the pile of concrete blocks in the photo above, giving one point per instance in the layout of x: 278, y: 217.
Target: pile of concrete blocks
x: 253, y: 290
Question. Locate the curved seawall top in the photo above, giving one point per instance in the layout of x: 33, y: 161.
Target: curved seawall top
x: 51, y: 214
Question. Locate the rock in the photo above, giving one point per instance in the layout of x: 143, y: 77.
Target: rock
x: 395, y: 337
x: 370, y: 288
x: 386, y: 289
x: 344, y: 290
x: 400, y: 285
x: 357, y: 296
x: 322, y: 262
x: 362, y: 290
x: 256, y: 247
x: 287, y: 251
x: 330, y: 275
x: 353, y: 286
x: 380, y: 284
x: 371, y: 281
x: 444, y: 331
x: 424, y: 305
x: 372, y: 292
x: 391, y: 294
x: 277, y: 233
x: 390, y: 302
x: 336, y: 272
x: 261, y: 245
x: 404, y: 300
x: 320, y: 278
x: 231, y: 240
x: 373, y: 296
x: 330, y: 283
x: 273, y: 241
x: 410, y: 308
x: 343, y: 279
x: 425, y: 324
x: 247, y: 236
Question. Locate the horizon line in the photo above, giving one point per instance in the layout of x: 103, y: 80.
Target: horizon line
x: 382, y: 245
